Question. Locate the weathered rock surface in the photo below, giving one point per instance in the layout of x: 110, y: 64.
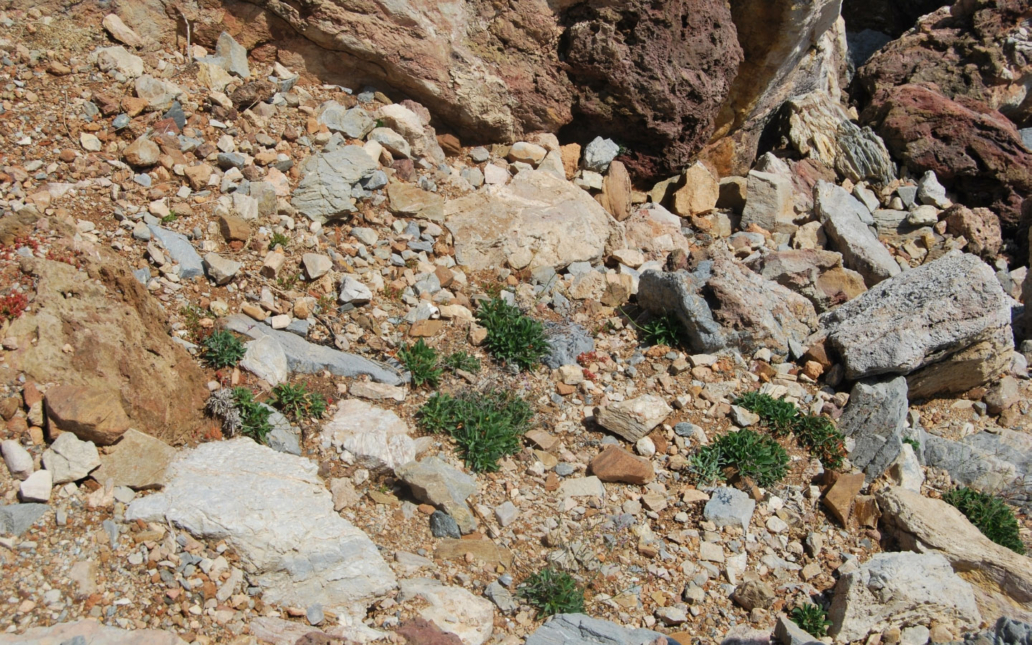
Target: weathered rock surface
x: 305, y: 358
x: 875, y: 418
x: 556, y: 221
x: 68, y: 459
x: 845, y: 221
x: 567, y: 629
x: 327, y: 179
x: 918, y: 318
x: 138, y: 461
x: 92, y: 632
x: 747, y: 311
x: 453, y: 609
x: 978, y: 364
x: 378, y: 438
x: 973, y: 150
x: 304, y: 552
x: 1002, y: 579
x: 816, y: 275
x: 634, y: 418
x: 15, y: 519
x: 987, y: 461
x: 434, y: 481
x: 900, y: 590
x: 980, y: 226
x: 614, y: 464
x: 119, y: 342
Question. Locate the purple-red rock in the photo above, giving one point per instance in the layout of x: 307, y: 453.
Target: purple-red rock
x: 419, y: 631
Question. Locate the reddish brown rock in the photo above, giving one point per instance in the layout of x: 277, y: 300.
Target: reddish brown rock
x: 973, y: 150
x: 92, y: 414
x: 980, y: 226
x: 419, y: 631
x: 615, y: 464
x: 450, y: 144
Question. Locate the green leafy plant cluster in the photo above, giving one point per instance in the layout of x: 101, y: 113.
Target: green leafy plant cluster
x: 553, y: 592
x: 754, y: 455
x: 993, y: 517
x: 817, y: 433
x: 486, y: 425
x: 462, y: 361
x: 297, y: 402
x: 254, y: 417
x: 222, y: 349
x: 811, y: 618
x: 279, y: 239
x: 512, y: 336
x: 660, y: 330
x: 421, y: 360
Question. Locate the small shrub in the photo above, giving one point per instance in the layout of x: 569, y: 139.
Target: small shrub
x: 779, y: 415
x: 993, y: 517
x: 753, y: 455
x: 168, y: 219
x: 512, y: 336
x: 553, y: 592
x: 421, y: 360
x: 254, y: 417
x: 463, y: 361
x: 816, y: 433
x: 222, y: 349
x: 279, y: 239
x: 661, y: 330
x: 486, y: 425
x: 914, y: 443
x: 297, y: 402
x: 811, y: 618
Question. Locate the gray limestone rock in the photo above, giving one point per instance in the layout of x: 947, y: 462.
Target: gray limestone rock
x: 327, y: 178
x: 15, y: 519
x: 230, y: 56
x: 180, y: 250
x: 566, y: 342
x: 436, y: 482
x: 70, y: 459
x: 354, y: 123
x: 305, y: 358
x: 874, y: 419
x: 578, y: 629
x: 599, y: 154
x: 274, y: 510
x: 919, y: 317
x: 846, y: 220
x: 729, y: 507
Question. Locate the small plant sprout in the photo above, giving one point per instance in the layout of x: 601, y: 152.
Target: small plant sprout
x: 553, y: 592
x: 222, y: 349
x: 487, y: 426
x: 297, y: 402
x: 991, y: 515
x: 512, y: 336
x: 812, y: 619
x: 421, y: 360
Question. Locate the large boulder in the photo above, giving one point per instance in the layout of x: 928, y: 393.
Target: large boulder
x: 722, y: 303
x: 900, y: 590
x: 119, y: 344
x: 567, y: 629
x: 327, y: 178
x: 1002, y: 579
x: 918, y: 318
x: 276, y: 513
x: 652, y: 75
x: 845, y: 220
x: 556, y: 222
x: 874, y: 419
x: 993, y: 462
x: 974, y: 150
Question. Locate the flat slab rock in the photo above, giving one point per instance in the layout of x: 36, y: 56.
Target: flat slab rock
x: 453, y: 609
x: 275, y: 511
x: 918, y: 317
x: 578, y: 629
x: 305, y: 358
x: 378, y: 438
x: 91, y: 632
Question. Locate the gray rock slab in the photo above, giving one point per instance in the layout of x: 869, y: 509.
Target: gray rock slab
x: 70, y: 459
x: 434, y: 481
x: 578, y: 629
x: 566, y: 342
x: 918, y: 318
x: 306, y: 358
x: 327, y: 178
x: 15, y: 519
x: 180, y: 250
x: 276, y: 512
x: 89, y: 632
x: 730, y: 507
x: 874, y: 418
x: 845, y: 220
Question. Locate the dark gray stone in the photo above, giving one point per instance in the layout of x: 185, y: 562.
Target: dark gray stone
x: 874, y: 419
x: 15, y: 519
x: 443, y: 525
x: 227, y: 160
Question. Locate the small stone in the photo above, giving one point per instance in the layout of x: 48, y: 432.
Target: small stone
x: 711, y: 552
x: 599, y: 154
x: 18, y: 459
x: 615, y: 464
x: 634, y: 418
x: 316, y: 265
x: 315, y: 615
x: 221, y: 270
x: 142, y: 153
x: 750, y: 595
x: 645, y: 447
x: 506, y: 513
x: 840, y: 496
x: 37, y: 487
x: 730, y: 507
x: 443, y: 525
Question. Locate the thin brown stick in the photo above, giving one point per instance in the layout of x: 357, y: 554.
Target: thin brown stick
x: 186, y: 21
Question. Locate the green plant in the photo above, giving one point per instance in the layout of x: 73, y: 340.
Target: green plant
x: 993, y: 517
x: 223, y: 349
x: 297, y: 402
x: 553, y: 592
x: 287, y: 281
x: 421, y: 360
x: 462, y: 361
x: 486, y: 425
x: 914, y: 443
x: 659, y: 330
x: 279, y: 239
x: 811, y: 618
x: 168, y: 219
x: 254, y: 417
x: 512, y: 336
x: 779, y: 415
x: 753, y: 455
